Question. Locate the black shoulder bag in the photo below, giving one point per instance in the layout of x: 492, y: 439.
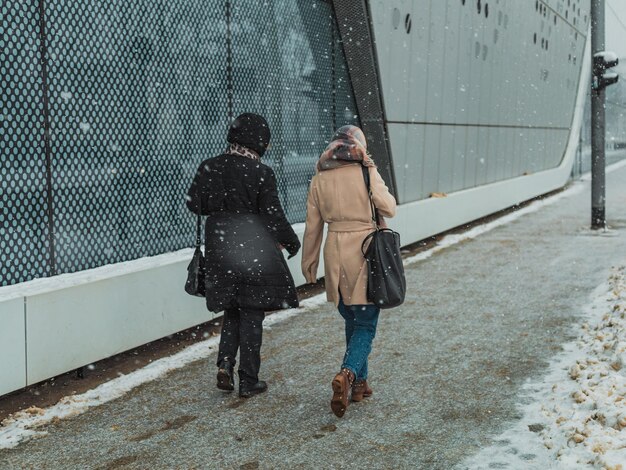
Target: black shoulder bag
x: 195, y: 270
x: 386, y: 284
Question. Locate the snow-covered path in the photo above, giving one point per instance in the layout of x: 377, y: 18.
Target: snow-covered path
x: 575, y: 416
x: 483, y: 321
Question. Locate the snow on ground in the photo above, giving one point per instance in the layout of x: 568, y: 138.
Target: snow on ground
x: 575, y: 417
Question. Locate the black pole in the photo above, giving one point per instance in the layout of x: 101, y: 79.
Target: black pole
x: 43, y: 57
x: 580, y: 155
x: 598, y: 125
x: 229, y: 61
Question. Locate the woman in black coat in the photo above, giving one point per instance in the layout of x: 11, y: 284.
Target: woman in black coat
x: 246, y: 273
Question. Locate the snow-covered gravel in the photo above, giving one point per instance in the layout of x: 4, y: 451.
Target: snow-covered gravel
x: 575, y: 417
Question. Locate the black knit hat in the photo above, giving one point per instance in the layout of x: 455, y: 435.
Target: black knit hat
x: 251, y: 131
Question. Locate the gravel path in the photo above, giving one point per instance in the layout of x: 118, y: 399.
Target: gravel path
x: 480, y: 319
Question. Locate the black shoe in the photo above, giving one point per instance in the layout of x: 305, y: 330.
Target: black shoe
x: 247, y: 391
x: 225, y: 377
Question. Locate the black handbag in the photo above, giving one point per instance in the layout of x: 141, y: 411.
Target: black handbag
x: 386, y: 284
x: 195, y: 271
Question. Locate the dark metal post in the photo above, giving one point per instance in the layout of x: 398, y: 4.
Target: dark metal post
x: 229, y: 61
x: 598, y: 125
x: 580, y: 155
x: 43, y: 56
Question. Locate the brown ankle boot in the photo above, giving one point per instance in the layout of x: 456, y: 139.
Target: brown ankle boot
x: 360, y: 390
x: 342, y: 383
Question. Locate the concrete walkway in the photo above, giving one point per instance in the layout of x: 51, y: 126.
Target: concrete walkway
x: 480, y: 319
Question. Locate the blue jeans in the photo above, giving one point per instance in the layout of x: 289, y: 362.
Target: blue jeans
x: 361, y: 322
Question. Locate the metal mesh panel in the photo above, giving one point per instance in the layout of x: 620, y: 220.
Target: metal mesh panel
x: 138, y: 96
x: 23, y: 221
x: 345, y: 106
x: 138, y: 99
x: 283, y: 68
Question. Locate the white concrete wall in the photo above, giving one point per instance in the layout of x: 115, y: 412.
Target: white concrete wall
x: 68, y: 328
x: 12, y: 346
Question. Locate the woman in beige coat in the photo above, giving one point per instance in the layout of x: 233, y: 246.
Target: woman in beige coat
x: 338, y: 197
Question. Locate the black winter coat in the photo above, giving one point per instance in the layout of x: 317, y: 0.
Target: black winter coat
x: 245, y: 222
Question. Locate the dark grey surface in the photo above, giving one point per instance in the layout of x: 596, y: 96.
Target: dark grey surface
x: 480, y: 318
x: 353, y: 22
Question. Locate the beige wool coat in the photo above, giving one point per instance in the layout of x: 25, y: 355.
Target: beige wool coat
x: 339, y: 198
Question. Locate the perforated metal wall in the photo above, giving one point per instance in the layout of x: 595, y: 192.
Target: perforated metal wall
x: 24, y: 250
x: 300, y: 84
x: 140, y: 92
x: 137, y: 99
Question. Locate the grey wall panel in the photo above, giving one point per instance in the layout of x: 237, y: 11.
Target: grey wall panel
x: 499, y: 157
x: 451, y: 73
x: 524, y: 152
x: 507, y: 151
x: 497, y: 57
x: 483, y: 155
x: 547, y: 148
x: 531, y: 145
x: 560, y: 144
x: 528, y: 150
x: 522, y: 80
x: 484, y: 63
x: 537, y: 87
x: 414, y: 166
x: 555, y: 154
x: 544, y: 148
x: 504, y: 74
x: 561, y: 92
x: 403, y: 155
x: 538, y: 147
x: 471, y: 157
x: 515, y: 152
x: 504, y: 169
x: 557, y: 144
x: 458, y: 163
x: 462, y: 69
x: 394, y: 56
x: 474, y: 46
x: 436, y: 58
x: 507, y: 43
x: 420, y: 62
x: 493, y: 152
x: 446, y: 159
x: 555, y: 50
x: 432, y: 156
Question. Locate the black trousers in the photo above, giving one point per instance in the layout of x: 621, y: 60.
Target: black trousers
x: 242, y: 329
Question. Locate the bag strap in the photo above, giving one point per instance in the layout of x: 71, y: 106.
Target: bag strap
x: 198, y: 232
x: 199, y: 225
x: 365, y: 240
x: 366, y: 177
